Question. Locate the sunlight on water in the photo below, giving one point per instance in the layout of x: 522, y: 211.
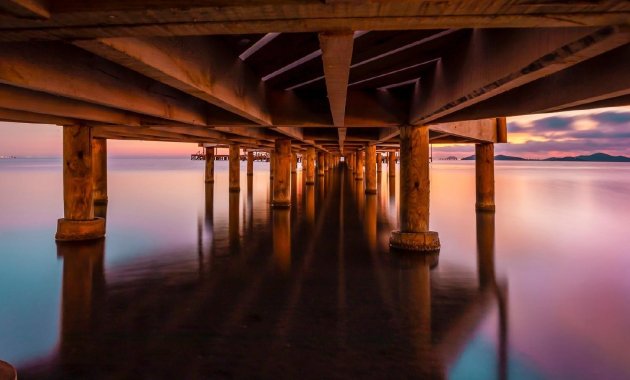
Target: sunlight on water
x: 192, y: 279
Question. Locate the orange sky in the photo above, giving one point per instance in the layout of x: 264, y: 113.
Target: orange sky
x: 534, y: 136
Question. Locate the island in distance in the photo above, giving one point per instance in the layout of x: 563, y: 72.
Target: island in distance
x: 595, y: 157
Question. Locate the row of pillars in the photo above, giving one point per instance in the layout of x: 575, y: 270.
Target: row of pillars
x: 85, y: 181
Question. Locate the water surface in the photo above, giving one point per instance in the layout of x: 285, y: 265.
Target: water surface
x: 195, y: 282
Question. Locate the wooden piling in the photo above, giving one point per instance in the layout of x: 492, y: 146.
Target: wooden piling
x: 282, y: 175
x: 358, y: 170
x: 414, y: 231
x: 391, y: 164
x: 320, y: 163
x: 250, y: 163
x: 235, y: 168
x: 99, y: 170
x: 310, y: 166
x: 484, y: 176
x: 379, y: 162
x: 370, y: 169
x: 209, y: 165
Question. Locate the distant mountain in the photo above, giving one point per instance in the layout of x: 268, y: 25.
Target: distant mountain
x: 596, y: 157
x: 499, y: 157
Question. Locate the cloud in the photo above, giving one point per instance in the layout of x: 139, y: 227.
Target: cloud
x: 612, y: 117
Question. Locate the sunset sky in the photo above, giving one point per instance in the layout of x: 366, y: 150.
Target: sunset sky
x: 534, y: 136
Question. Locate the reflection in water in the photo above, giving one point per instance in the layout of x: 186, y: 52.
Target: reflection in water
x: 342, y: 304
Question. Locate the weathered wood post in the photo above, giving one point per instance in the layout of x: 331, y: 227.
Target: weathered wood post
x: 414, y: 234
x: 350, y: 163
x: 370, y: 169
x: 320, y: 163
x: 484, y: 176
x: 379, y: 162
x: 282, y: 175
x: 78, y: 222
x: 210, y: 165
x: 358, y: 170
x: 391, y: 164
x: 272, y: 163
x: 235, y: 168
x: 250, y: 163
x: 99, y: 170
x: 310, y: 166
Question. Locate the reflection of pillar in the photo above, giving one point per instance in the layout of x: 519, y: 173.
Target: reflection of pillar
x: 310, y: 204
x: 310, y: 166
x: 320, y: 163
x: 282, y: 175
x: 209, y: 165
x: 250, y: 202
x: 391, y: 164
x: 83, y: 279
x: 233, y: 221
x: 294, y: 162
x: 370, y: 169
x: 250, y: 163
x: 282, y: 239
x: 379, y: 162
x: 99, y: 170
x: 209, y: 203
x: 484, y: 173
x: 358, y: 170
x: 235, y: 168
x: 369, y: 220
x: 414, y: 231
x: 78, y: 187
x: 485, y: 249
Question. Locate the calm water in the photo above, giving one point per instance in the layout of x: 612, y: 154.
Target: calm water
x: 194, y: 282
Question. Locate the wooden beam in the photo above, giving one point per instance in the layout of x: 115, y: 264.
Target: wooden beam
x: 30, y: 9
x: 336, y: 55
x: 199, y: 66
x: 495, y: 61
x: 37, y: 102
x: 97, y: 19
x: 484, y: 130
x: 17, y: 116
x: 69, y: 72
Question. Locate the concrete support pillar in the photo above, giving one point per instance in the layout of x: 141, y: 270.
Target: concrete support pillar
x: 282, y: 175
x: 7, y: 371
x: 99, y: 170
x: 320, y: 163
x: 391, y: 164
x: 484, y: 175
x: 79, y: 222
x: 370, y: 169
x: 379, y: 162
x: 310, y: 166
x: 358, y: 170
x: 414, y: 234
x: 294, y: 162
x: 235, y: 168
x: 250, y: 163
x: 272, y: 164
x: 209, y: 177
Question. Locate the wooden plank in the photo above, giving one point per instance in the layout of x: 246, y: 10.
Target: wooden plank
x: 484, y: 130
x: 69, y: 72
x: 199, y: 66
x: 37, y: 102
x: 31, y: 9
x: 495, y: 61
x: 33, y: 118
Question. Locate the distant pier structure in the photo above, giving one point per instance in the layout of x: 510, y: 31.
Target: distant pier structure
x: 313, y: 81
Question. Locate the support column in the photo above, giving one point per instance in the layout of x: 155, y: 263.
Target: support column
x: 294, y: 162
x: 272, y: 164
x: 282, y: 175
x: 250, y: 163
x: 79, y: 222
x: 391, y: 164
x: 320, y: 163
x: 99, y: 170
x: 484, y: 175
x: 235, y: 168
x: 414, y: 234
x: 379, y: 162
x: 209, y: 165
x: 7, y: 371
x: 310, y: 166
x: 359, y: 166
x: 370, y: 169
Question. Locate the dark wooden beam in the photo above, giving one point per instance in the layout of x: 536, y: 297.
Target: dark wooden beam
x: 29, y: 9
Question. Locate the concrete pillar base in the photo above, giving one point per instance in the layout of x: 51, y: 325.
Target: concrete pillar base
x: 71, y: 230
x: 428, y: 241
x: 485, y: 208
x: 7, y: 371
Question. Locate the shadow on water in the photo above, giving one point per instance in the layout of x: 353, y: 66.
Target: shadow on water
x: 309, y: 292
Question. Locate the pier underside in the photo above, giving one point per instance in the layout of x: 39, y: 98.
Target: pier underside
x: 322, y: 79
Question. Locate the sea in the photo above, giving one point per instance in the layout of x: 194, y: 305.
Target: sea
x: 195, y: 282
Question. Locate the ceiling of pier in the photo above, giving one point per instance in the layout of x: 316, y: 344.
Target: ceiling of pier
x: 330, y: 74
